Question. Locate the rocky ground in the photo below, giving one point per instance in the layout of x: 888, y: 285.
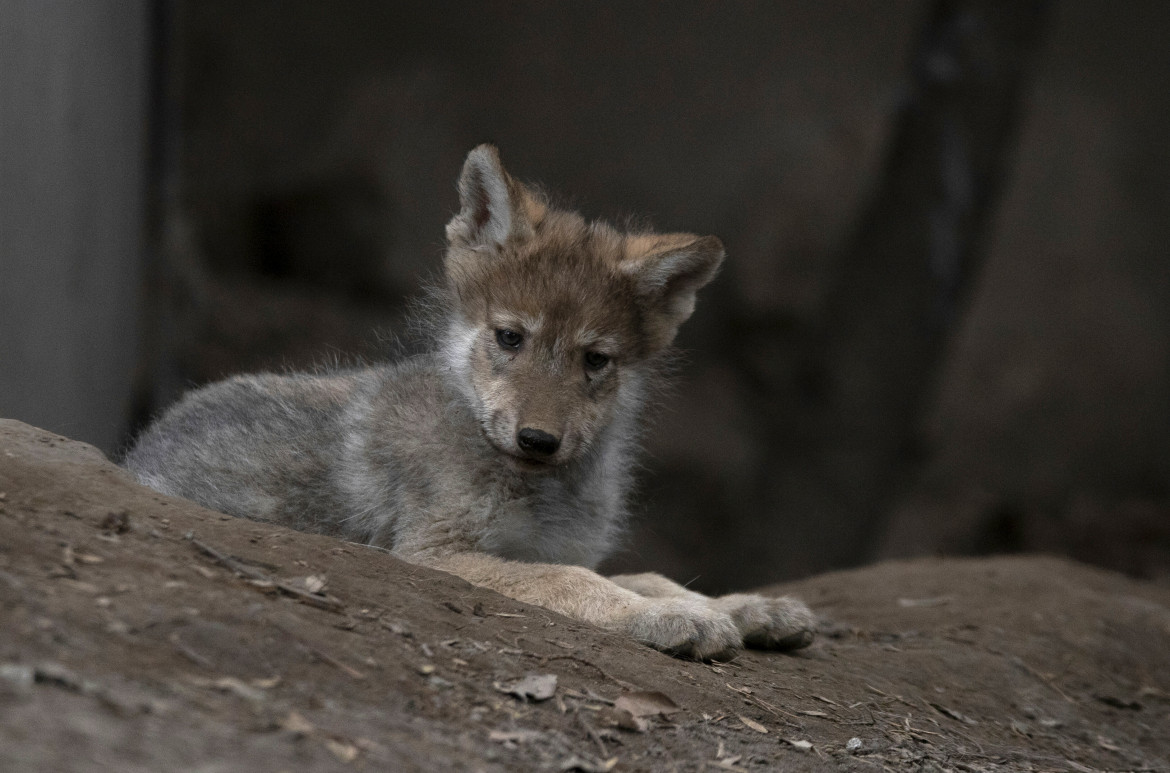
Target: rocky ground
x: 139, y: 632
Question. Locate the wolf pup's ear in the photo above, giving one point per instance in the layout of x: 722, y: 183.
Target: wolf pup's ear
x: 668, y: 270
x: 493, y: 206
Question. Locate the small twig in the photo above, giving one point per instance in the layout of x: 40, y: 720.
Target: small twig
x: 189, y: 653
x: 320, y: 654
x: 325, y: 656
x: 544, y: 659
x: 318, y: 600
x: 898, y: 698
x: 371, y: 547
x: 779, y: 713
x: 592, y: 734
x: 588, y: 695
x: 313, y: 599
x: 229, y: 562
x: 515, y: 644
x: 1046, y: 680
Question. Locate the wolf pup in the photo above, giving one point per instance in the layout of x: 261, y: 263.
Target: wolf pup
x: 505, y: 455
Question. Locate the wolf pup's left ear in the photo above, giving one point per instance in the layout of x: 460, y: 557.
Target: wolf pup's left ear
x: 493, y: 206
x: 668, y: 270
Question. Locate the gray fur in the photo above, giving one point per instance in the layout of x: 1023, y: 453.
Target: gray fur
x: 389, y: 456
x: 546, y: 324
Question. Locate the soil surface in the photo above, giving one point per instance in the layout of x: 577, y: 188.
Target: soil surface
x: 139, y: 632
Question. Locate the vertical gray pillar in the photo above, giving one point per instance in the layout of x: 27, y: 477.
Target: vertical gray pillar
x: 73, y: 111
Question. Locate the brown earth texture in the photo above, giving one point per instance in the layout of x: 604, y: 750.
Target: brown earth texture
x: 142, y: 633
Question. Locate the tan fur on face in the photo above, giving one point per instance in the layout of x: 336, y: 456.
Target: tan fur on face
x: 561, y: 292
x: 568, y: 286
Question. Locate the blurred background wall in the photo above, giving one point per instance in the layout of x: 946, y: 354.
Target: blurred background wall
x: 73, y: 113
x: 303, y: 164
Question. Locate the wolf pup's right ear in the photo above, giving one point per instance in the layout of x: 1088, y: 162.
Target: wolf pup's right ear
x: 493, y: 206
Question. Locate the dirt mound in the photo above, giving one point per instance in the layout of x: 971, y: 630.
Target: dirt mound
x: 145, y: 633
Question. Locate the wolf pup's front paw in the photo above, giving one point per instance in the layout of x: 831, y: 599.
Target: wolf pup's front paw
x: 769, y: 623
x: 686, y: 628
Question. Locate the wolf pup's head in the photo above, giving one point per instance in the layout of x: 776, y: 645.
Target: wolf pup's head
x: 556, y: 319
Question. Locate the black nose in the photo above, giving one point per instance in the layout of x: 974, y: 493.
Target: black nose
x: 537, y: 442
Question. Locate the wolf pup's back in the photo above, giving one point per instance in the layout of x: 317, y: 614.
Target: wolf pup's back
x: 262, y: 446
x: 504, y: 455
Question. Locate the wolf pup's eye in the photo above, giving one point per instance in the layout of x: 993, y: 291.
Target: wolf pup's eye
x: 509, y: 339
x: 595, y: 360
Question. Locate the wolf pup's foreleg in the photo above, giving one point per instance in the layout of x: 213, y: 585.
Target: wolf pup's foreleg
x: 779, y: 623
x: 679, y: 625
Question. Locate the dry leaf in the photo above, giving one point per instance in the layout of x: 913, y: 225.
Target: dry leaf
x: 55, y: 673
x: 343, y: 751
x: 754, y: 725
x: 589, y: 766
x: 804, y: 746
x: 229, y: 684
x: 19, y: 679
x: 313, y: 583
x: 625, y: 720
x: 646, y: 704
x: 83, y: 587
x: 534, y: 687
x: 1119, y: 703
x: 395, y: 626
x: 295, y: 723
